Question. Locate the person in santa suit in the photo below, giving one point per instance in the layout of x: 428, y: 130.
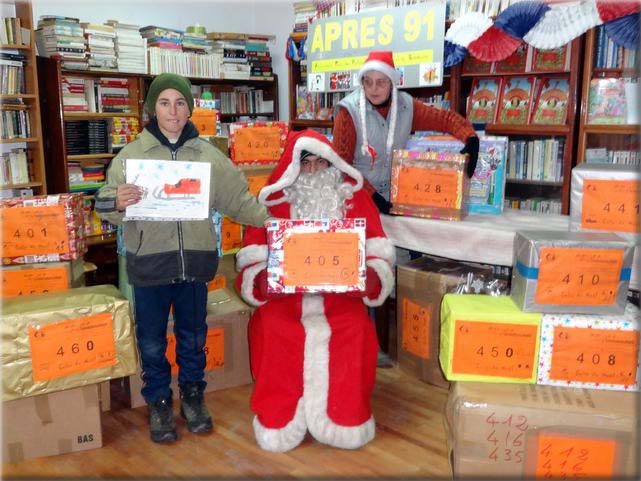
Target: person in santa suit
x: 313, y: 356
x: 377, y: 118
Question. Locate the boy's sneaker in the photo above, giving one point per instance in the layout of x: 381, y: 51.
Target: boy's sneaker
x: 194, y: 410
x: 162, y: 426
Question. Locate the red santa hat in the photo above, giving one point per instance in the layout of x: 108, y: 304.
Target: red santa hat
x: 382, y: 62
x: 288, y: 168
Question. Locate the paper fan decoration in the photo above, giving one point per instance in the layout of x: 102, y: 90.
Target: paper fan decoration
x: 624, y: 31
x: 493, y: 45
x: 467, y: 28
x: 519, y: 18
x: 562, y: 23
x: 453, y: 54
x: 611, y: 10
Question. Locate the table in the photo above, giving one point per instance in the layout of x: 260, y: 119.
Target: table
x: 488, y: 239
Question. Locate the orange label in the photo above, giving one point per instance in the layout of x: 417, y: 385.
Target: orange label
x: 71, y: 346
x: 564, y: 457
x: 34, y: 281
x: 320, y: 258
x: 204, y: 120
x: 577, y: 276
x: 611, y: 205
x: 232, y: 235
x: 34, y: 231
x: 218, y: 282
x: 257, y: 182
x: 594, y: 355
x: 257, y: 143
x: 214, y: 350
x: 416, y: 328
x: 494, y: 349
x: 427, y: 187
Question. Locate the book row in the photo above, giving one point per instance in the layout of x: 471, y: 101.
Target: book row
x: 15, y: 124
x: 14, y: 167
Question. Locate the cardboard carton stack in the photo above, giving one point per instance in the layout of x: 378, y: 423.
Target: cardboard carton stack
x: 567, y: 326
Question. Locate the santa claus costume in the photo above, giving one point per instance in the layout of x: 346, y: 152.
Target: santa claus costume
x: 313, y: 356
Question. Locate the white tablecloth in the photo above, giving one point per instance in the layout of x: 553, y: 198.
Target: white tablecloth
x: 488, y: 239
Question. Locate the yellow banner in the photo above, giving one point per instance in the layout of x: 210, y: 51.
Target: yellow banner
x: 354, y: 63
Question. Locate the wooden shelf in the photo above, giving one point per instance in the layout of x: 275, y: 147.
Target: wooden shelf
x: 611, y: 129
x: 96, y: 115
x: 21, y: 186
x: 311, y: 123
x: 542, y: 183
x: 28, y: 140
x: 13, y: 46
x: 90, y: 156
x: 239, y: 114
x: 558, y: 73
x: 533, y: 130
x: 18, y: 96
x: 101, y: 239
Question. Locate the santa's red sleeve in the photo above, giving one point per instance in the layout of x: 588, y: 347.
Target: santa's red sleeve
x: 250, y: 260
x: 380, y: 253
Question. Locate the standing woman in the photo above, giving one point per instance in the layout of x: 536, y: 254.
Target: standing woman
x: 376, y: 118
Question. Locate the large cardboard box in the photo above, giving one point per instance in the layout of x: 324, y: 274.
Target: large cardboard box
x: 48, y: 424
x: 28, y: 279
x: 571, y: 272
x: 65, y: 339
x: 487, y: 338
x: 44, y: 228
x: 421, y: 285
x: 512, y: 431
x: 227, y: 348
x: 597, y: 352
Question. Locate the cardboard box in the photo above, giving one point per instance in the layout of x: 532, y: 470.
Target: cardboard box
x: 605, y: 198
x: 44, y: 228
x: 257, y: 177
x: 598, y: 352
x: 28, y: 279
x: 66, y: 339
x: 513, y: 431
x: 487, y: 338
x: 49, y: 424
x: 227, y: 320
x: 428, y: 184
x: 571, y: 272
x: 421, y: 285
x: 321, y: 255
x: 229, y: 235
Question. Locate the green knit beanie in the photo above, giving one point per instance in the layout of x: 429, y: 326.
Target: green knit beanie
x: 166, y: 81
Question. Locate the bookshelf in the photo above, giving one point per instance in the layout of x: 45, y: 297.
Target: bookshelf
x: 536, y: 136
x: 26, y: 102
x: 296, y: 78
x: 612, y: 139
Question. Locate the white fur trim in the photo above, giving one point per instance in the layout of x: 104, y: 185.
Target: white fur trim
x: 386, y: 275
x: 316, y: 382
x: 247, y: 286
x: 285, y: 438
x: 250, y: 254
x: 317, y: 147
x: 378, y: 66
x: 381, y: 247
x: 392, y: 114
x: 392, y: 122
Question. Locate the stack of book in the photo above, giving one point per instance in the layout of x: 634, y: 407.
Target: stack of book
x: 304, y: 12
x: 74, y: 97
x: 123, y: 131
x: 234, y: 63
x: 84, y: 137
x: 101, y: 52
x: 86, y: 177
x: 130, y: 47
x: 113, y: 95
x: 195, y: 41
x: 15, y: 124
x: 62, y: 37
x: 12, y: 73
x: 162, y: 37
x: 258, y: 57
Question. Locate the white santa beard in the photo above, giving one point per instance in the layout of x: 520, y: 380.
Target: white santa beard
x: 319, y: 195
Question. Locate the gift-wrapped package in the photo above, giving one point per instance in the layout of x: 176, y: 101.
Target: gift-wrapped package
x: 605, y: 198
x: 487, y: 338
x: 571, y: 272
x: 421, y: 285
x: 597, y: 352
x: 428, y: 184
x: 487, y: 186
x: 322, y: 255
x: 28, y: 279
x: 521, y: 431
x: 65, y: 339
x: 45, y: 228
